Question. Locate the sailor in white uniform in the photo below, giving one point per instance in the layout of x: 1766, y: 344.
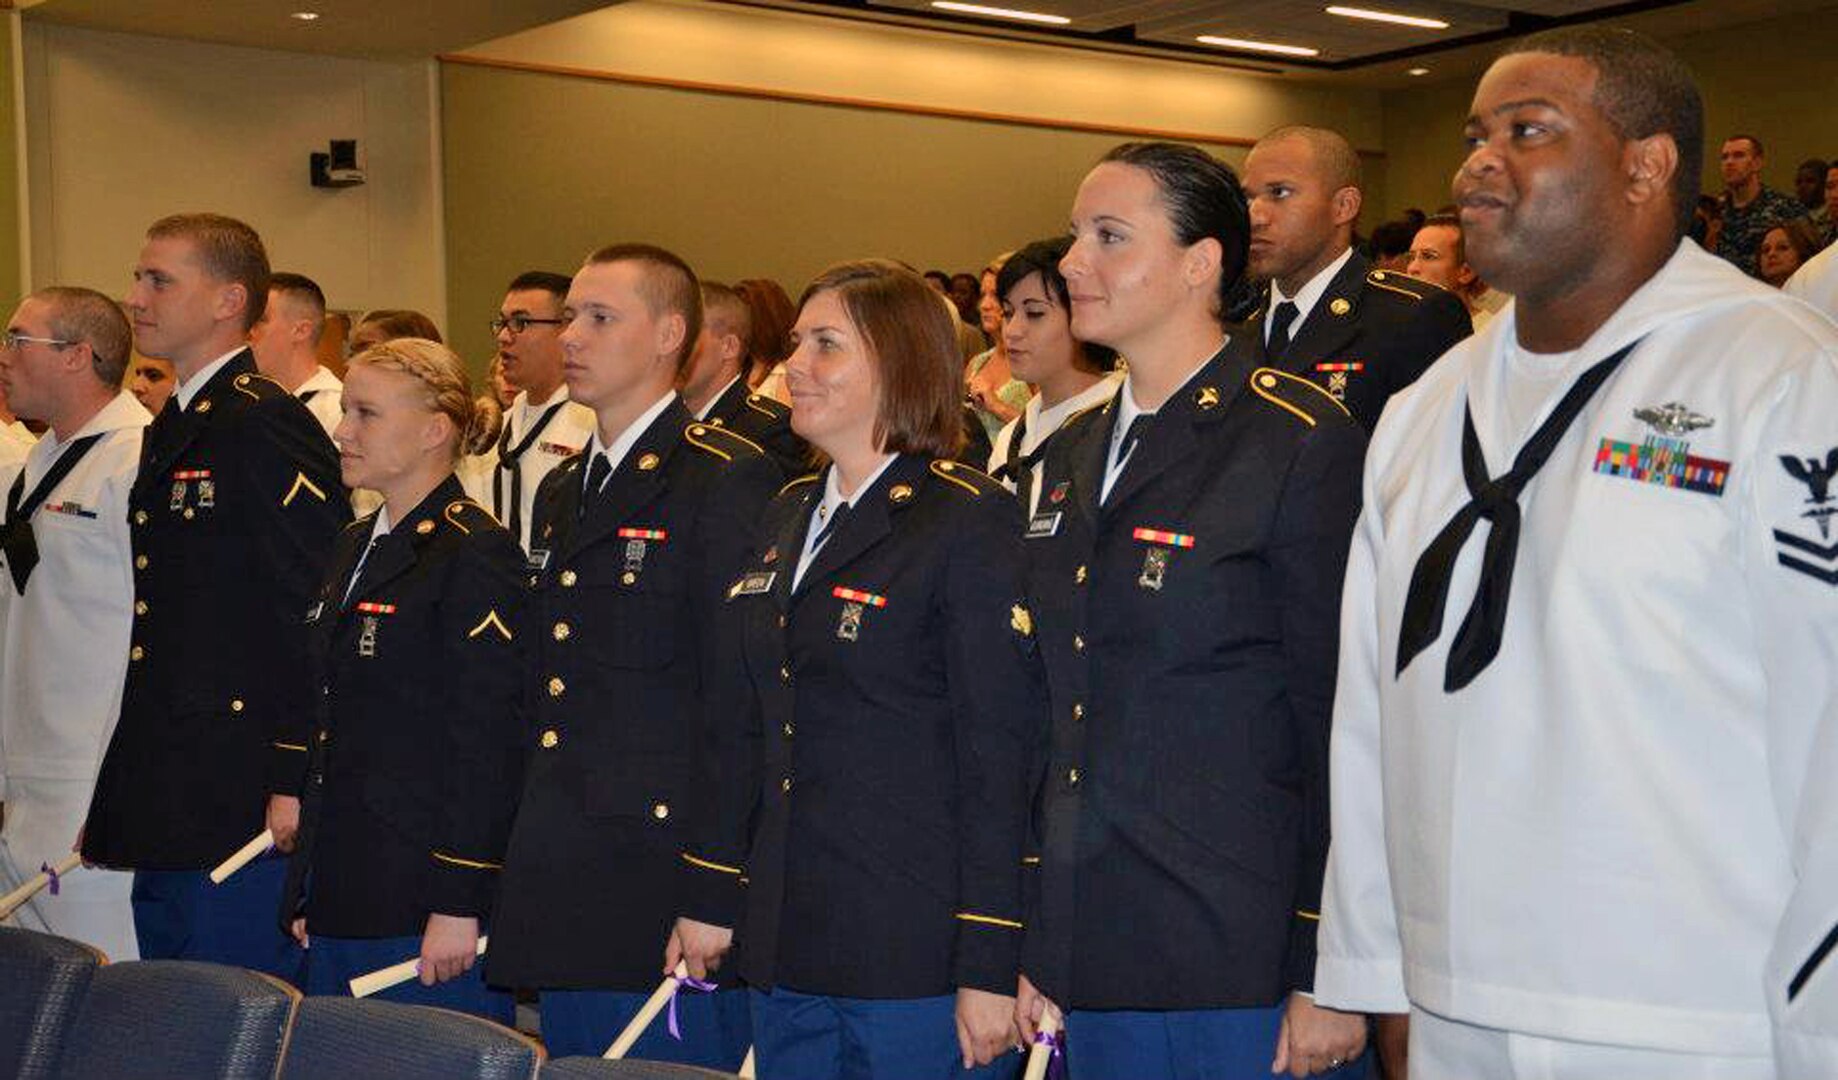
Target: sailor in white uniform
x: 67, y: 595
x: 1817, y: 282
x: 1583, y: 817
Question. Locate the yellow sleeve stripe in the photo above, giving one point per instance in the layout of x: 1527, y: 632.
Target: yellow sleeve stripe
x: 989, y: 920
x: 300, y: 481
x: 1312, y: 916
x: 289, y: 746
x: 706, y: 865
x: 470, y: 864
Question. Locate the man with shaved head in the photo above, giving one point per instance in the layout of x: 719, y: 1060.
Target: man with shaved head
x: 1360, y: 334
x: 1582, y: 800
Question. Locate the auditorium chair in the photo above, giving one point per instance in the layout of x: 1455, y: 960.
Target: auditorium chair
x: 177, y: 1018
x: 590, y: 1068
x: 345, y: 1038
x: 42, y: 980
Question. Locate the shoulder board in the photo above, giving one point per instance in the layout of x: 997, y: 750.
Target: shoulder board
x: 468, y: 516
x: 719, y: 441
x: 799, y: 482
x: 1403, y: 284
x: 258, y: 386
x: 975, y: 481
x: 770, y: 406
x: 1295, y: 395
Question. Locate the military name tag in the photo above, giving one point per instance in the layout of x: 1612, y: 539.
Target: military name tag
x: 1041, y: 526
x: 539, y: 558
x: 753, y: 584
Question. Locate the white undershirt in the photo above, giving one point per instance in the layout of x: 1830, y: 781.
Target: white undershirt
x: 1306, y: 297
x: 623, y: 444
x: 832, y: 498
x: 1128, y: 411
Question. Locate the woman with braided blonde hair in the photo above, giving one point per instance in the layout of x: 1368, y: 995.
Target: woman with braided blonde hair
x: 413, y: 772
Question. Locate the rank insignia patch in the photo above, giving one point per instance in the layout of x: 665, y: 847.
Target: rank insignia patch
x: 1817, y: 559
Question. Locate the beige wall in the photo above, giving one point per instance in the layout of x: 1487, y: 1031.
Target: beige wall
x: 542, y: 167
x: 10, y: 234
x: 1772, y: 79
x: 125, y: 129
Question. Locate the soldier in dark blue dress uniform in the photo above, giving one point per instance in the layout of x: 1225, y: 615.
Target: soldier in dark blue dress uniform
x: 417, y: 652
x: 633, y: 543
x: 1186, y: 557
x: 883, y: 744
x: 232, y: 515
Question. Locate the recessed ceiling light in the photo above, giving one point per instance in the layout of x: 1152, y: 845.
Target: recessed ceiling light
x: 304, y: 16
x: 1256, y: 46
x: 1000, y: 13
x: 1387, y: 17
x: 1418, y: 71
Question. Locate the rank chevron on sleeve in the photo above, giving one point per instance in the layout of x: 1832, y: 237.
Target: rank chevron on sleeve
x: 1815, y: 560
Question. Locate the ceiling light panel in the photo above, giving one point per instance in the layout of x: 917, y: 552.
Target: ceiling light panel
x: 1089, y: 16
x: 1306, y: 23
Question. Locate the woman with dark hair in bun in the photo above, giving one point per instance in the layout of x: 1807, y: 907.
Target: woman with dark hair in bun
x: 1186, y: 557
x: 413, y: 763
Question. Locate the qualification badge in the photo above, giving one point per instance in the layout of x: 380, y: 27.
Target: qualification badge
x: 850, y: 628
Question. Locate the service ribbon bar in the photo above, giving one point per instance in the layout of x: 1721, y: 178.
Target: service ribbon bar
x: 642, y: 534
x: 192, y: 474
x: 1157, y: 536
x: 370, y: 608
x: 871, y: 599
x: 1351, y: 366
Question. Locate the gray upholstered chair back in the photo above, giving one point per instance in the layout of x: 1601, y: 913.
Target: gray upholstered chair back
x: 587, y: 1068
x: 42, y: 981
x: 176, y: 1018
x: 344, y: 1039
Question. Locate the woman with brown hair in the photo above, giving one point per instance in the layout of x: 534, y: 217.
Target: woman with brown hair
x: 884, y: 745
x: 769, y: 339
x: 413, y: 770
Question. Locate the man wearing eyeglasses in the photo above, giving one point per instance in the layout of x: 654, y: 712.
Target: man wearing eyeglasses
x: 232, y: 514
x: 67, y: 598
x: 542, y: 428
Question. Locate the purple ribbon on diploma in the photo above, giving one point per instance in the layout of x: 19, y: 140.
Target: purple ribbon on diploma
x: 1056, y: 1061
x: 683, y: 980
x: 51, y: 876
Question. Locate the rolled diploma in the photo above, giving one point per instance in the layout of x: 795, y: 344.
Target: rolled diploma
x: 653, y: 1005
x: 396, y: 974
x: 12, y: 901
x: 1041, y: 1054
x: 245, y: 855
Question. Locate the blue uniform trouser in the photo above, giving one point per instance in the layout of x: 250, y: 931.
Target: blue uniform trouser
x: 1199, y: 1044
x: 806, y: 1037
x: 716, y: 1027
x: 331, y: 964
x: 180, y: 915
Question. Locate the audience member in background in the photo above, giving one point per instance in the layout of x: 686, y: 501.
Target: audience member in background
x: 285, y: 341
x: 1831, y: 204
x: 639, y: 538
x: 1073, y: 376
x: 1390, y: 245
x: 16, y: 439
x: 417, y: 639
x: 333, y: 338
x: 989, y: 388
x: 1707, y: 222
x: 715, y: 391
x: 542, y: 428
x: 1809, y: 187
x: 1817, y: 282
x: 940, y: 281
x: 68, y: 601
x: 151, y: 381
x: 771, y: 313
x: 1784, y: 249
x: 497, y: 386
x: 966, y: 293
x: 1188, y: 574
x: 388, y: 324
x: 1438, y: 256
x: 1750, y: 207
x: 1360, y: 334
x: 234, y: 510
x: 878, y: 761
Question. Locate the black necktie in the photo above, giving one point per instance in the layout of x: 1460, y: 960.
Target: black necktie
x: 16, y: 536
x: 1131, y: 436
x: 1497, y: 502
x: 829, y: 527
x: 357, y: 572
x: 508, y: 456
x: 598, y: 469
x: 1281, y: 319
